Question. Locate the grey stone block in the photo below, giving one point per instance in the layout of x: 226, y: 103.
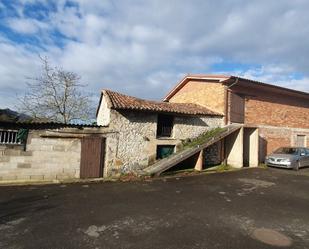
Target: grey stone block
x: 26, y: 153
x: 24, y: 165
x: 12, y: 152
x: 59, y: 148
x: 4, y: 159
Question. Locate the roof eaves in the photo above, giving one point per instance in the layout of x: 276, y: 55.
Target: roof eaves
x: 47, y: 124
x: 170, y: 112
x: 259, y: 83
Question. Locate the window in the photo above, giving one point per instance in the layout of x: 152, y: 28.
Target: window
x: 9, y: 137
x: 302, y: 152
x: 287, y: 150
x: 165, y: 125
x: 165, y: 151
x: 301, y: 141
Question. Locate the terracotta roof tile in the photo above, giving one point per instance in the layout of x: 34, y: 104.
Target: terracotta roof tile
x: 120, y: 101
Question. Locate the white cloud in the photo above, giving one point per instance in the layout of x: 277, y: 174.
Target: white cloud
x: 144, y: 47
x: 26, y: 25
x: 19, y: 65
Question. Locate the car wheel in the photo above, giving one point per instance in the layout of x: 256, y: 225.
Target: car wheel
x: 297, y: 166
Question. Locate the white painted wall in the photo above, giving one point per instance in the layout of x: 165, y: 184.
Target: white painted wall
x: 104, y: 113
x: 254, y: 149
x: 235, y: 148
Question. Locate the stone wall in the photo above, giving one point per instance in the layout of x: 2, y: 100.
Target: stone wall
x: 44, y: 159
x: 134, y: 131
x: 52, y: 154
x: 136, y: 137
x: 212, y: 154
x: 189, y: 127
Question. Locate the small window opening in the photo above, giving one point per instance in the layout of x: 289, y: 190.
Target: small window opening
x: 165, y: 125
x: 165, y: 151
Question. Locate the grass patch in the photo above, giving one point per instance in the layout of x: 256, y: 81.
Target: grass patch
x: 176, y: 172
x: 192, y: 171
x: 263, y: 166
x: 202, y: 138
x: 224, y: 167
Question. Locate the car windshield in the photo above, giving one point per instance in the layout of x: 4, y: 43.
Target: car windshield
x: 285, y: 150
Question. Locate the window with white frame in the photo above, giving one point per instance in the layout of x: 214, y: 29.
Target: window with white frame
x: 9, y: 137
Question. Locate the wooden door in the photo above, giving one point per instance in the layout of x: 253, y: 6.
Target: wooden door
x: 237, y: 108
x: 92, y: 157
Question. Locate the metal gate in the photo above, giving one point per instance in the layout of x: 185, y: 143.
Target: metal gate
x: 92, y: 157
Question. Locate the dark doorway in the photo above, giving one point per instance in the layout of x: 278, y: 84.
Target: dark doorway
x: 92, y: 157
x: 250, y: 146
x: 165, y: 151
x: 165, y: 125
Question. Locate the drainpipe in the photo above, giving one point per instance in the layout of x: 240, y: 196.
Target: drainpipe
x: 227, y: 114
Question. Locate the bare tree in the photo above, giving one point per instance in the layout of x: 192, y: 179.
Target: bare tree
x: 56, y: 95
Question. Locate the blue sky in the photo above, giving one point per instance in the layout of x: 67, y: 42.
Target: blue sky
x: 143, y: 48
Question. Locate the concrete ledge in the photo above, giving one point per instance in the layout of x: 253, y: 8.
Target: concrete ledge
x: 25, y: 182
x: 8, y: 178
x: 37, y: 177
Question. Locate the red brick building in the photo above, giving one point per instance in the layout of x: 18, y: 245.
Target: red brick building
x: 280, y: 114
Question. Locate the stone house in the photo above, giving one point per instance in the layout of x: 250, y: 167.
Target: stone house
x: 149, y: 130
x: 130, y: 134
x: 280, y: 115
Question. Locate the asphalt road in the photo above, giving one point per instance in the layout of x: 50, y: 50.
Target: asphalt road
x: 255, y: 208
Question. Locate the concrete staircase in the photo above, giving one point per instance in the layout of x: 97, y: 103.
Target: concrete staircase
x: 164, y: 164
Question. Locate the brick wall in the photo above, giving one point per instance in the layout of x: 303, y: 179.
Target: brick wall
x: 271, y: 138
x: 277, y: 111
x: 267, y: 107
x: 280, y: 117
x: 209, y: 94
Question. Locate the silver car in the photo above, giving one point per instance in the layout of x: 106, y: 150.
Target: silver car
x: 289, y: 158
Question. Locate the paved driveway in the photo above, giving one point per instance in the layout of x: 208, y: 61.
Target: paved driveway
x: 226, y: 210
